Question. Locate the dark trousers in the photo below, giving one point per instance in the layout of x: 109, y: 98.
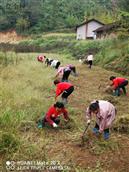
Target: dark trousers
x: 122, y: 85
x: 73, y: 69
x: 66, y: 75
x: 47, y: 62
x: 67, y: 92
x: 90, y: 63
x: 50, y: 61
x: 57, y: 65
x: 105, y: 131
x: 73, y: 72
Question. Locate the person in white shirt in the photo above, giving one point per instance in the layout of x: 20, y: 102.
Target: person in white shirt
x: 90, y: 59
x: 55, y: 64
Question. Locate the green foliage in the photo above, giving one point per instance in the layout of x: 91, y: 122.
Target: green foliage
x: 71, y: 21
x: 34, y: 16
x: 115, y: 55
x: 10, y: 58
x: 22, y: 24
x: 123, y: 34
x: 109, y: 53
x: 122, y: 124
x: 8, y: 143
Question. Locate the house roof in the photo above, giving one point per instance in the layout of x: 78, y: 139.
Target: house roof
x: 106, y: 27
x: 88, y: 22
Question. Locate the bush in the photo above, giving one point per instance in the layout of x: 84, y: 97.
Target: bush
x: 122, y: 125
x: 8, y: 143
x: 123, y: 35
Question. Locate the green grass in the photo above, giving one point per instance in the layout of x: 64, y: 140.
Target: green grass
x: 109, y: 53
x: 112, y: 54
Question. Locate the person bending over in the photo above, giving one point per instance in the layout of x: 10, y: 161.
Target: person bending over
x: 64, y: 88
x: 119, y: 83
x: 105, y: 114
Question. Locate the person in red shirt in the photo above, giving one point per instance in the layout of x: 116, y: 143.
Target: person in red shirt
x: 41, y: 58
x: 64, y: 88
x: 52, y: 117
x: 119, y: 83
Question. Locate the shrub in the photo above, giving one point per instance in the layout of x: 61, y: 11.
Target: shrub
x: 8, y: 143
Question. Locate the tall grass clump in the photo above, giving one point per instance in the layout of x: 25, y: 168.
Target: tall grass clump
x: 8, y: 58
x: 8, y: 143
x: 115, y: 56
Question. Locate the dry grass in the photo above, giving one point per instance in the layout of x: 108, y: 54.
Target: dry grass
x: 59, y: 34
x: 11, y: 37
x: 24, y: 90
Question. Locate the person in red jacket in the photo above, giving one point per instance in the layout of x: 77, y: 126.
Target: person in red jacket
x: 41, y: 58
x: 64, y: 88
x: 52, y: 117
x: 119, y: 83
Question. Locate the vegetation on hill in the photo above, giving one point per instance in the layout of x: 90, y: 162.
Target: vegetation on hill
x: 34, y: 16
x: 112, y: 54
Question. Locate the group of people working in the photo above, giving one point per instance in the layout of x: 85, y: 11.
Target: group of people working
x: 104, y: 111
x: 63, y: 88
x: 48, y: 61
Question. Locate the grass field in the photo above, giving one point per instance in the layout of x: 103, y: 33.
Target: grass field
x: 25, y: 88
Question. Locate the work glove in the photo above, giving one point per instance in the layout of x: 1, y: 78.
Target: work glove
x: 55, y: 125
x: 88, y: 122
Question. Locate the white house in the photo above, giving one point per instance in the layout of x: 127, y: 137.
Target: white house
x: 85, y: 30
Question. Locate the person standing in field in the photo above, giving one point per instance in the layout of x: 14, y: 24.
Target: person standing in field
x: 119, y: 83
x: 64, y: 88
x: 90, y: 60
x: 105, y: 114
x: 52, y: 117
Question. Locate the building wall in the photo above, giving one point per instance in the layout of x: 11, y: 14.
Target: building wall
x: 81, y: 32
x: 84, y: 31
x: 93, y: 25
x: 104, y: 35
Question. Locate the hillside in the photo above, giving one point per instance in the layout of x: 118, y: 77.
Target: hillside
x: 43, y: 16
x: 11, y: 37
x: 27, y: 97
x: 112, y: 54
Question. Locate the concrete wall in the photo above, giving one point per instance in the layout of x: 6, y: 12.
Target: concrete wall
x: 81, y: 32
x: 86, y: 31
x: 93, y: 25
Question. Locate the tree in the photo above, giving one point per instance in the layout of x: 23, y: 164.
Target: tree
x: 71, y: 21
x: 22, y: 24
x: 48, y: 15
